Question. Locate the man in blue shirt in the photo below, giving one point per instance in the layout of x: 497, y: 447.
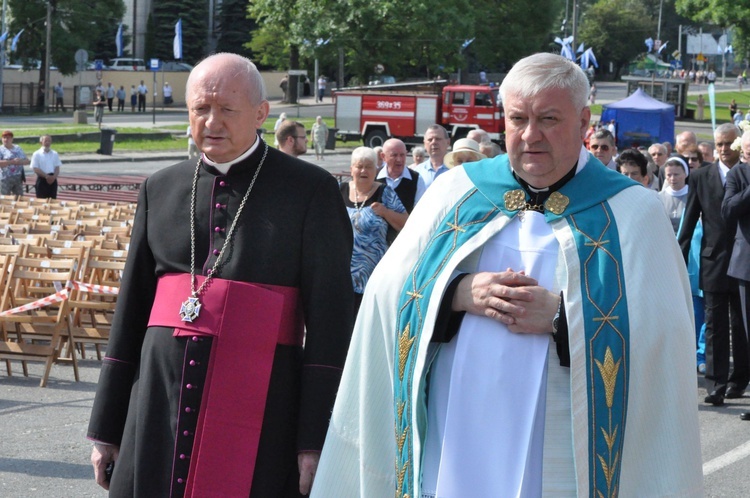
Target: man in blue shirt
x: 437, y: 142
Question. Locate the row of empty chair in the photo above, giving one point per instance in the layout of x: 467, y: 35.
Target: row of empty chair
x: 59, y: 280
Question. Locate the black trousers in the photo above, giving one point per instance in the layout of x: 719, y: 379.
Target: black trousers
x: 109, y: 103
x: 724, y: 320
x: 44, y: 190
x: 745, y: 304
x: 141, y: 102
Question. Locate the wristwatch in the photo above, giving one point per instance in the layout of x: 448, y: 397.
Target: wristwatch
x: 556, y: 319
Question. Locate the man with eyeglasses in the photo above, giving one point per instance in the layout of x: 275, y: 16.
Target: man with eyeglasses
x: 602, y: 146
x: 721, y: 292
x: 291, y: 137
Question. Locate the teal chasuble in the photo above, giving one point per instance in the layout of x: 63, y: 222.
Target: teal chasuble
x: 604, y: 306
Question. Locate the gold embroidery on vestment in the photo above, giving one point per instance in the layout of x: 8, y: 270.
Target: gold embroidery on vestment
x: 556, y: 203
x: 404, y: 346
x: 515, y: 199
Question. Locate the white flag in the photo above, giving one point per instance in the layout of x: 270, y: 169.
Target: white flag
x: 118, y: 40
x: 14, y: 43
x: 177, y: 44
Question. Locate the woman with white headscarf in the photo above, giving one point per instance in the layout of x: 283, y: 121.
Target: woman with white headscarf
x: 674, y: 194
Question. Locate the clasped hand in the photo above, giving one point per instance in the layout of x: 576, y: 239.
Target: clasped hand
x: 510, y: 297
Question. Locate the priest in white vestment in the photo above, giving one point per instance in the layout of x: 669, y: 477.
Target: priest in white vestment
x: 502, y: 348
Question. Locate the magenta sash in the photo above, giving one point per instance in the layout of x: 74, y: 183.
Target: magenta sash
x: 247, y: 321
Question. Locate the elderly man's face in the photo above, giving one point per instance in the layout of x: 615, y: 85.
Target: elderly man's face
x: 724, y: 146
x: 659, y: 155
x: 395, y: 158
x: 746, y: 149
x: 683, y: 140
x: 223, y: 120
x: 46, y: 142
x: 602, y: 149
x: 544, y: 135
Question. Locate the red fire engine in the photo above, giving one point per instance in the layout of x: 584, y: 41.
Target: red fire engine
x: 375, y: 116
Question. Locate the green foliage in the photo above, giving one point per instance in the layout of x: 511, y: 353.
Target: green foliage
x: 616, y: 30
x: 194, y: 29
x: 521, y: 34
x: 723, y: 13
x: 234, y: 28
x: 76, y: 24
x: 409, y: 38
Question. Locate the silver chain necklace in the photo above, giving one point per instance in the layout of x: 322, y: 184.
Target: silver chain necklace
x: 191, y: 308
x: 358, y: 207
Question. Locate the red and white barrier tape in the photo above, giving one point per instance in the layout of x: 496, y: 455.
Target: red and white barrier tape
x: 61, y: 296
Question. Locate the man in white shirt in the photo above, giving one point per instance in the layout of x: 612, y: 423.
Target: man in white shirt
x: 408, y: 185
x: 167, y: 93
x: 46, y: 165
x: 436, y: 141
x: 142, y: 91
x: 110, y: 95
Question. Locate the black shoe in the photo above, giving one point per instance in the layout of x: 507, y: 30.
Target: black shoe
x: 715, y: 398
x: 734, y: 393
x: 745, y: 416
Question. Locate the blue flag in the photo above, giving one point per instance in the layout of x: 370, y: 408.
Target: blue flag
x: 14, y: 43
x: 118, y: 40
x: 177, y: 44
x: 3, y: 37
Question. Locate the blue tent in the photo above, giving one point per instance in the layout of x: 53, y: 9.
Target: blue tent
x: 640, y: 120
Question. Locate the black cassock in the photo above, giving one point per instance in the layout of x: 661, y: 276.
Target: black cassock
x: 294, y: 232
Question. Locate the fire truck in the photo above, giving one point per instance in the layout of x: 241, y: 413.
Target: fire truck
x: 375, y: 116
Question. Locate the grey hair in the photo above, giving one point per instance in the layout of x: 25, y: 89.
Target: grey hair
x: 659, y: 146
x: 535, y: 73
x: 364, y: 154
x: 419, y: 151
x: 241, y: 67
x: 727, y: 128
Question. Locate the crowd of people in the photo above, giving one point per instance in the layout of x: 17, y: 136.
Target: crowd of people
x: 692, y: 180
x: 475, y: 322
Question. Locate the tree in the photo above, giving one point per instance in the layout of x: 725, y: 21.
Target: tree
x: 234, y: 28
x: 723, y: 13
x: 194, y: 29
x: 76, y: 24
x: 520, y: 34
x: 422, y: 38
x: 616, y: 30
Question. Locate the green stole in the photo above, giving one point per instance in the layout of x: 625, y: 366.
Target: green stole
x: 604, y: 308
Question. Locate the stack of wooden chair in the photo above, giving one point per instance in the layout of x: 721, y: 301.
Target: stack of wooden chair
x: 67, y: 257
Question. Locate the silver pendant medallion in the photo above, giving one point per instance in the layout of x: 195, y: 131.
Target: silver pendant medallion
x: 190, y: 309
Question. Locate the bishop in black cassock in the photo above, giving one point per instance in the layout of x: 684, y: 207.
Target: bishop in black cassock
x: 153, y: 399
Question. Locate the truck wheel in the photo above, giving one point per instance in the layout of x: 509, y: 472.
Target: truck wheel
x: 375, y: 138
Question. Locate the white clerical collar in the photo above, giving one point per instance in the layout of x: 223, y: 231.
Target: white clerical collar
x: 224, y: 167
x: 383, y: 173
